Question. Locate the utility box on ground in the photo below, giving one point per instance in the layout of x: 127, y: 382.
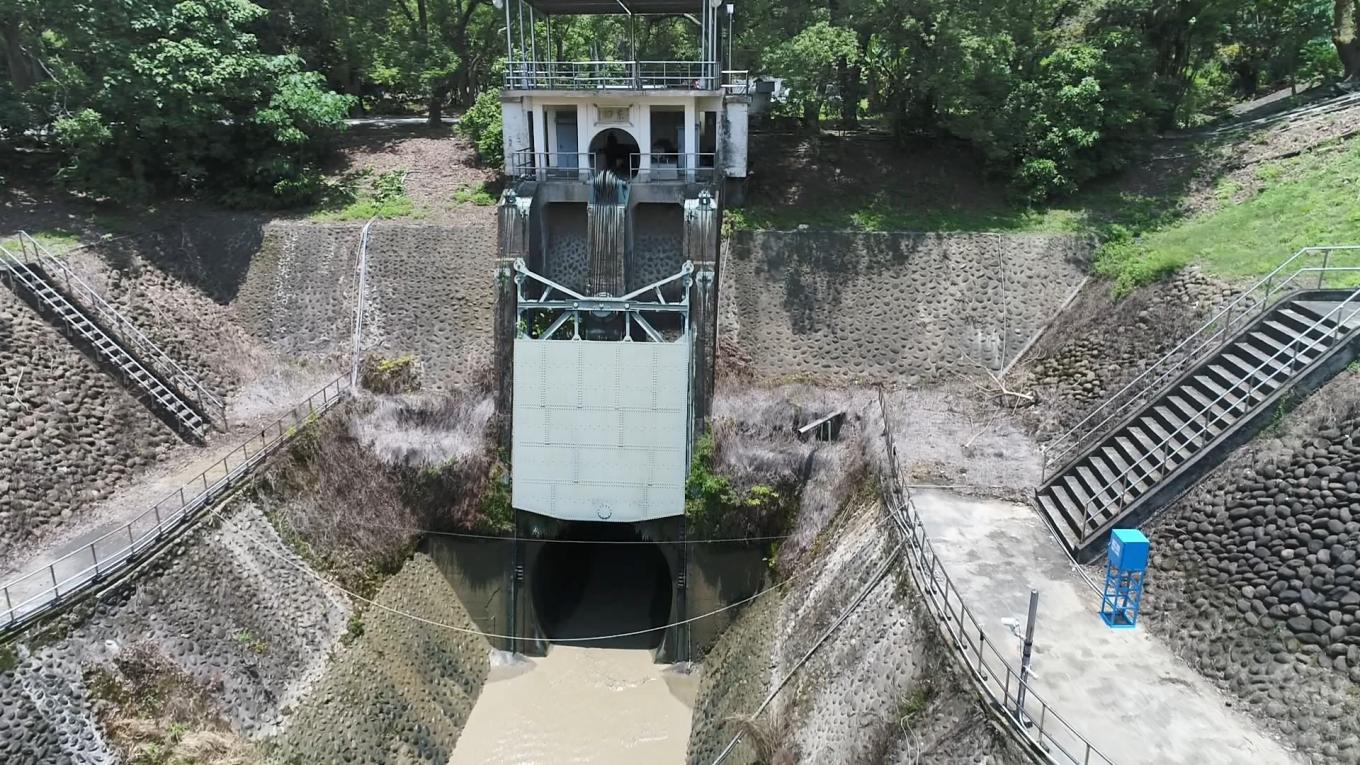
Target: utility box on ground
x: 1127, y: 560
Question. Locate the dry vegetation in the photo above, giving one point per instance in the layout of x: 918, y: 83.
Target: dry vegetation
x: 358, y: 487
x: 155, y: 714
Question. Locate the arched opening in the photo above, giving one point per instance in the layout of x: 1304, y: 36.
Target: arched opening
x: 615, y: 150
x: 603, y: 581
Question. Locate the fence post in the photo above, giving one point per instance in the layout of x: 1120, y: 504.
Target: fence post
x: 56, y: 591
x: 9, y: 606
x: 95, y: 557
x: 1025, y: 654
x: 157, y: 510
x: 132, y: 542
x: 1326, y: 261
x: 982, y: 637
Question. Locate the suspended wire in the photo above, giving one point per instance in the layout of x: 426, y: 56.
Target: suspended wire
x: 465, y: 535
x: 855, y: 604
x: 264, y: 545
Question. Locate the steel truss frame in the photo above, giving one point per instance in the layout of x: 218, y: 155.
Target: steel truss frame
x: 566, y: 306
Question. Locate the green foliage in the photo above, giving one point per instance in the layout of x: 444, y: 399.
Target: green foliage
x: 381, y: 374
x: 354, y: 628
x: 481, y: 124
x: 475, y: 195
x: 250, y: 641
x: 383, y: 197
x: 916, y: 701
x: 1311, y: 199
x: 497, y: 514
x: 161, y: 97
x: 808, y: 62
x: 8, y: 659
x: 715, y: 507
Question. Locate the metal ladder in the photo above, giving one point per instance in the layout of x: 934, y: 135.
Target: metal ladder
x: 108, y: 348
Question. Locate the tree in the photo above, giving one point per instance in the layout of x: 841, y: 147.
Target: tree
x: 1346, y: 37
x: 809, y: 62
x: 160, y: 96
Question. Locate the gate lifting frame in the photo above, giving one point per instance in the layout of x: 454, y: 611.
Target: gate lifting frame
x: 568, y: 306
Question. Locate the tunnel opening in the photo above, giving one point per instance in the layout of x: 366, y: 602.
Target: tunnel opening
x: 602, y: 580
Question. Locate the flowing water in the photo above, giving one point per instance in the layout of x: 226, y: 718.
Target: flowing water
x: 605, y: 706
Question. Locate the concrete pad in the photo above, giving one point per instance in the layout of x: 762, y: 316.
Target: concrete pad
x: 1123, y: 689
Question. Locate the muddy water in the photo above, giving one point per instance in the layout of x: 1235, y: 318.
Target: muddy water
x: 603, y: 706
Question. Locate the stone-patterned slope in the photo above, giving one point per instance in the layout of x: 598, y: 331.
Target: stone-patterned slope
x: 841, y: 307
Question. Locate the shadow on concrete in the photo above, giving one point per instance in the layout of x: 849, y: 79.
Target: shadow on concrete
x: 600, y: 587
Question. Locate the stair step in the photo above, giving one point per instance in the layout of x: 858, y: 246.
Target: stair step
x: 1308, y: 314
x: 1192, y: 413
x: 1053, y: 508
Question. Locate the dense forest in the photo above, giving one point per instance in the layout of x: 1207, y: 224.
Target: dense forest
x: 243, y: 101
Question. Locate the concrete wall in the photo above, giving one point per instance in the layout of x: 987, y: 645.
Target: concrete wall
x: 840, y: 307
x: 70, y: 434
x: 403, y: 690
x: 430, y: 292
x: 1253, y: 578
x: 228, y: 612
x: 845, y: 705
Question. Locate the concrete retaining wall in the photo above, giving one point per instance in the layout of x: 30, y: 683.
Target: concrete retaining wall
x: 840, y: 307
x: 878, y: 691
x: 404, y: 689
x: 1254, y: 575
x: 225, y: 609
x: 70, y: 434
x: 430, y: 292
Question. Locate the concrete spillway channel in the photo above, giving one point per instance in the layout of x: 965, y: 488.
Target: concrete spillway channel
x: 592, y: 678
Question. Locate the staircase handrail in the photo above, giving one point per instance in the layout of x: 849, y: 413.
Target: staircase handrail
x: 117, y: 550
x: 1210, y: 336
x: 1251, y: 384
x: 33, y: 251
x: 1029, y: 718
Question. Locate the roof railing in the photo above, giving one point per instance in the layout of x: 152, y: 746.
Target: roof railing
x: 612, y: 75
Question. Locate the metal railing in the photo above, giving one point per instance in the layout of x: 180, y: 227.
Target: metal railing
x: 698, y: 167
x: 30, y: 596
x: 1028, y: 716
x: 33, y: 253
x: 615, y: 75
x: 644, y: 167
x: 1290, y: 275
x: 1237, y: 399
x: 737, y: 81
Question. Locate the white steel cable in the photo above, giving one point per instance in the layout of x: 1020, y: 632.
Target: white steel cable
x: 855, y: 604
x: 455, y: 628
x: 496, y: 537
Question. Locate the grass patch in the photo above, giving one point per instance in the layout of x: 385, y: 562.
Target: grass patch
x: 475, y: 195
x: 155, y: 714
x: 363, y: 195
x: 57, y: 241
x: 1313, y: 199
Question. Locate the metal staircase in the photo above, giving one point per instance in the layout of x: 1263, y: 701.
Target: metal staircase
x: 1151, y: 440
x: 114, y: 338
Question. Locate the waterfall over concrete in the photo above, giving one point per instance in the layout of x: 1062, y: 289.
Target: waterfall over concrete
x: 606, y: 234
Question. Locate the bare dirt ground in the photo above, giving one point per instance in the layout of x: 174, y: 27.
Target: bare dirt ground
x: 437, y: 162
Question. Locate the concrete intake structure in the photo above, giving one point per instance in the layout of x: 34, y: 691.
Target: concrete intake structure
x: 606, y: 303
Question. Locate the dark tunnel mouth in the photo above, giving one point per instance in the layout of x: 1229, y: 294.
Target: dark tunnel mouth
x: 593, y: 585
